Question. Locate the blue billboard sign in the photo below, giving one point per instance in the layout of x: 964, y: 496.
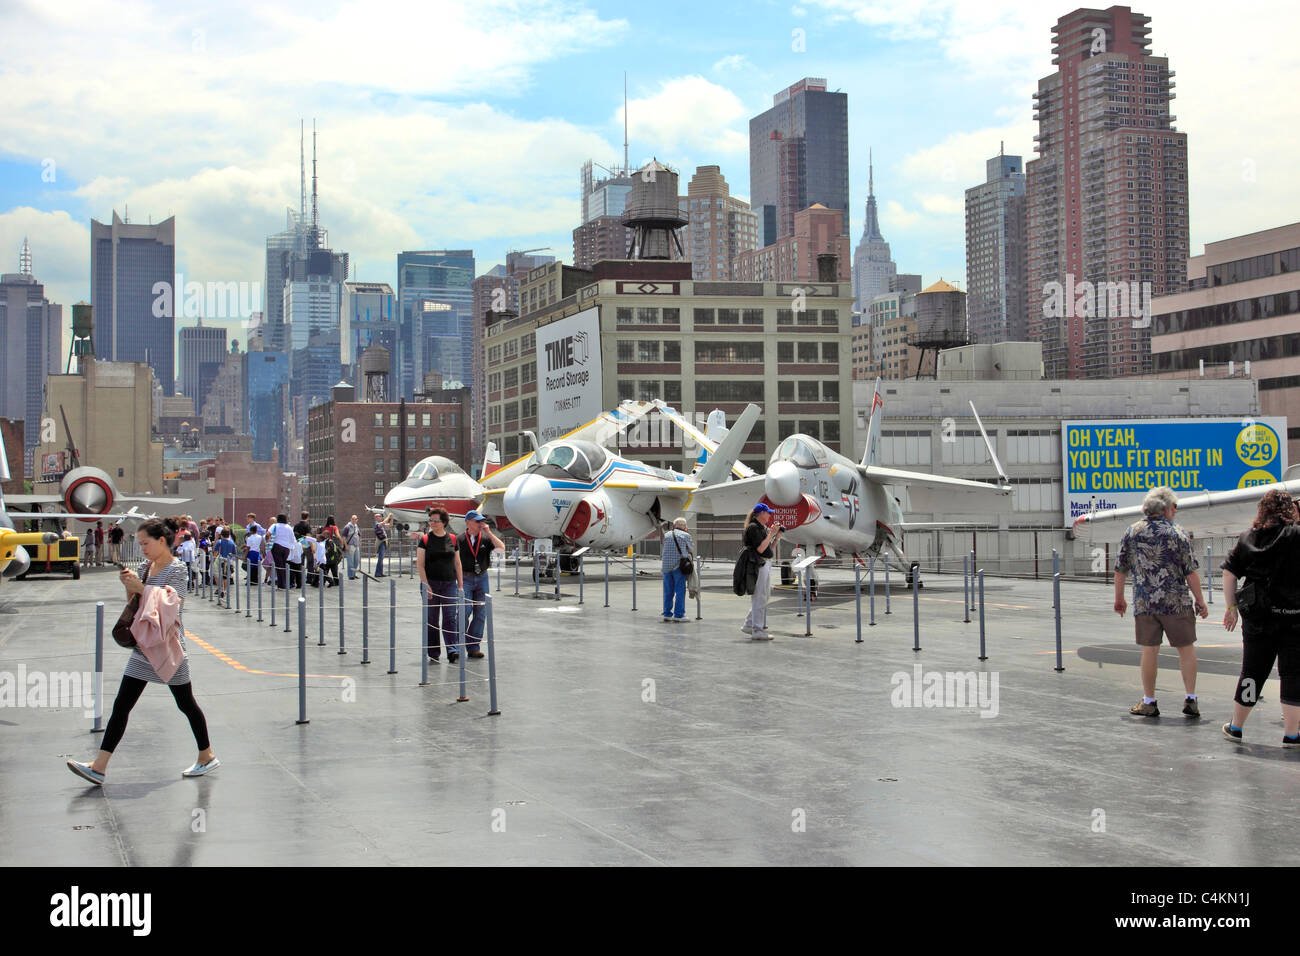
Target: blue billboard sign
x: 1112, y: 464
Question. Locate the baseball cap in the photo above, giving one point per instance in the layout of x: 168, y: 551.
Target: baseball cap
x: 474, y: 516
x: 760, y: 507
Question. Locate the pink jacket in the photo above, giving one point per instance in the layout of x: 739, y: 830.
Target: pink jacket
x: 157, y: 629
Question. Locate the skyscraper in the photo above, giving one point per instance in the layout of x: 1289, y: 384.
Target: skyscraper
x: 200, y: 345
x: 872, y: 265
x: 1106, y: 197
x: 368, y: 317
x: 798, y: 156
x: 996, y: 307
x: 31, y: 346
x: 433, y: 278
x: 132, y: 280
x: 719, y: 226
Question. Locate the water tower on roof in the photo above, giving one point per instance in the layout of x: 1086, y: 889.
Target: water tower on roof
x: 940, y: 321
x: 653, y: 213
x: 83, y: 330
x: 375, y: 366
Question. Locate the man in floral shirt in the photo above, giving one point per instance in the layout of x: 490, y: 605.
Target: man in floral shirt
x: 1159, y: 556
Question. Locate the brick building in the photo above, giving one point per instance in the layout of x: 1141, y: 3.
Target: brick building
x: 357, y: 451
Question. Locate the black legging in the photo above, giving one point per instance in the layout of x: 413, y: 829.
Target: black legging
x: 129, y: 692
x: 1265, y: 639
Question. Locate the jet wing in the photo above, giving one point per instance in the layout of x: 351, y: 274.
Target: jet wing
x: 1209, y: 513
x: 152, y: 500
x: 601, y: 429
x: 33, y: 499
x: 738, y: 469
x: 927, y: 494
x: 736, y: 497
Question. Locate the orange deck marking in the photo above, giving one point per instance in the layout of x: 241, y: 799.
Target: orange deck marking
x: 227, y: 659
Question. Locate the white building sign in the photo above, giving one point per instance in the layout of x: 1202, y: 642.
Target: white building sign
x: 568, y: 374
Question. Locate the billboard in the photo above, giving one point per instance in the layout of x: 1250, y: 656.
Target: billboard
x: 568, y: 374
x: 1112, y: 464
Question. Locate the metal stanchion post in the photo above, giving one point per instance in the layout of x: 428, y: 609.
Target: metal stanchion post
x: 302, y: 661
x: 1056, y: 573
x: 582, y: 579
x: 807, y: 602
x: 607, y: 579
x: 392, y: 627
x: 247, y: 584
x: 460, y: 635
x: 320, y: 586
x: 634, y: 579
x: 871, y: 573
x: 492, y: 663
x: 537, y: 575
x: 1209, y: 570
x: 557, y: 579
x: 261, y: 584
x: 971, y: 596
x: 274, y: 588
x: 983, y: 656
x: 1056, y: 603
x: 965, y: 585
x: 342, y: 648
x: 365, y: 619
x: 286, y: 604
x: 916, y: 609
x: 99, y: 669
x: 424, y: 634
x: 857, y: 595
x: 887, y: 610
x: 516, y: 572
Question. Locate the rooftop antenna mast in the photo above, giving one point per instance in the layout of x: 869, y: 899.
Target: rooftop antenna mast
x: 626, y: 164
x: 25, y: 258
x: 314, y: 231
x: 302, y: 172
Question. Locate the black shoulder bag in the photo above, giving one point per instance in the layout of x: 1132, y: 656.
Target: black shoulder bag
x: 685, y: 564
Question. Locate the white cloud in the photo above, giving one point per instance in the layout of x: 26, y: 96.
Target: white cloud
x: 689, y: 115
x: 736, y: 61
x: 60, y: 252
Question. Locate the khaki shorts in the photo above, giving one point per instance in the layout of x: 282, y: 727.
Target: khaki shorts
x: 1179, y: 628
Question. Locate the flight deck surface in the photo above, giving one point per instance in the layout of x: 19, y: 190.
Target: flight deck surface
x: 625, y: 740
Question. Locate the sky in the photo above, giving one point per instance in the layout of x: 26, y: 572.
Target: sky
x: 446, y: 125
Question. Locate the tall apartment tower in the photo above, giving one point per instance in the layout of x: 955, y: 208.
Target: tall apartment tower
x: 996, y: 306
x: 200, y: 345
x: 798, y: 156
x: 872, y: 265
x: 31, y: 347
x: 1107, y: 196
x: 719, y: 226
x: 132, y: 268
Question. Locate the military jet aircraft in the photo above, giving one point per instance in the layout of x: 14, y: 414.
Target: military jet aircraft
x: 434, y: 482
x: 838, y: 506
x: 578, y: 493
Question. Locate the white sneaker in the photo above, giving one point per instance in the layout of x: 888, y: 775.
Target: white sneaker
x: 761, y: 635
x: 202, y: 769
x: 746, y: 629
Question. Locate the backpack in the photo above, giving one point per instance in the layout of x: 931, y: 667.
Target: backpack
x: 744, y: 575
x: 684, y: 563
x: 333, y: 550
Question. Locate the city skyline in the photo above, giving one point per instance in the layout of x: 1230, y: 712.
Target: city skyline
x: 488, y: 158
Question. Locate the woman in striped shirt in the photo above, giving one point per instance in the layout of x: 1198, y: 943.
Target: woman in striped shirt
x: 161, y: 568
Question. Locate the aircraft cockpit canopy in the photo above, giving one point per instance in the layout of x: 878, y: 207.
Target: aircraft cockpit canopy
x: 581, y: 459
x: 430, y: 469
x: 798, y: 450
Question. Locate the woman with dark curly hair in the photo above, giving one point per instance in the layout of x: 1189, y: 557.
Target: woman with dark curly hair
x: 159, y: 569
x: 1269, y: 605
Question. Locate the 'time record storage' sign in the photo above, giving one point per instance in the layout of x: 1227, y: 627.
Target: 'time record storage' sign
x: 568, y: 374
x: 1114, y: 464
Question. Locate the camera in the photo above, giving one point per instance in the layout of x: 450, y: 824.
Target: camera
x: 780, y: 527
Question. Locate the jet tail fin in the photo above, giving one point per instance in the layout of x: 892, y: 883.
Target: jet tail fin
x: 871, y: 454
x: 718, y: 467
x: 491, y: 459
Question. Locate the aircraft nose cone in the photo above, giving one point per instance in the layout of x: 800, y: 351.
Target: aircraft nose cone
x: 528, y: 506
x: 782, y: 483
x: 88, y: 498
